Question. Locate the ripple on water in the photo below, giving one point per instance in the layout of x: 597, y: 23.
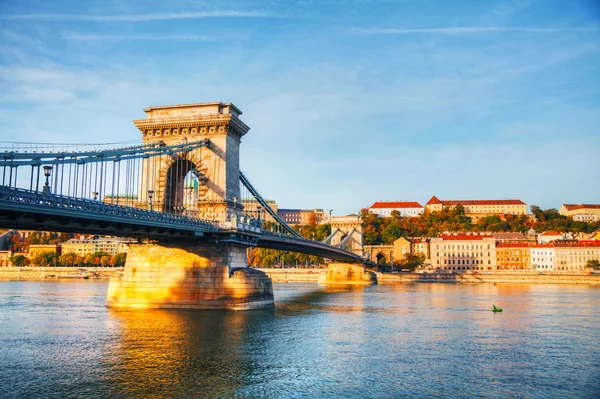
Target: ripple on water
x: 431, y: 340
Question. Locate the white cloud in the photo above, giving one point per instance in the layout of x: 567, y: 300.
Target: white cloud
x: 179, y: 38
x: 468, y: 30
x: 142, y: 17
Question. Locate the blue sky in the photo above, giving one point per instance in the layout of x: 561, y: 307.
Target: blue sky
x: 349, y: 102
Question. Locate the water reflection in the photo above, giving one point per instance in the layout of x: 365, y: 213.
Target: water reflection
x: 386, y: 341
x: 193, y: 353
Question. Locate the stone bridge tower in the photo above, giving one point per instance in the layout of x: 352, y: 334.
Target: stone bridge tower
x: 348, y: 233
x: 216, y: 167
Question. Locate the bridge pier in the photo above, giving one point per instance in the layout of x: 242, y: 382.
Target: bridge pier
x: 347, y: 273
x: 214, y: 276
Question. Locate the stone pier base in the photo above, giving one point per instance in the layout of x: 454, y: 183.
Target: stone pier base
x: 196, y: 277
x: 346, y: 273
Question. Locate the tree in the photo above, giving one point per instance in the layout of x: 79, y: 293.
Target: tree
x: 312, y: 219
x: 593, y: 264
x: 45, y: 259
x: 16, y: 244
x: 391, y: 233
x: 19, y: 260
x: 118, y: 259
x: 69, y: 259
x: 410, y: 261
x: 396, y: 214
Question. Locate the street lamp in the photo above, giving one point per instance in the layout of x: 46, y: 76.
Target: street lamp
x: 47, y: 170
x: 150, y: 194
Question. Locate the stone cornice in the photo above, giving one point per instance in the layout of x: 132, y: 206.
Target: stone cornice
x: 191, y: 122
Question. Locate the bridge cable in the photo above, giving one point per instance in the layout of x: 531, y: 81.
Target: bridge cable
x: 268, y: 208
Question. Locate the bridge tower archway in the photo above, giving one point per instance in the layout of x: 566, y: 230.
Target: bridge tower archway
x: 217, y: 167
x: 177, y: 178
x: 348, y: 233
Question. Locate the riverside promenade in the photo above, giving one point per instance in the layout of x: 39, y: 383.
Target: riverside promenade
x: 313, y: 275
x: 57, y: 273
x: 527, y: 277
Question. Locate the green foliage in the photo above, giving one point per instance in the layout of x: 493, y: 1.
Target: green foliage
x: 593, y: 264
x: 270, y: 258
x: 19, y: 260
x: 381, y: 230
x: 409, y: 261
x: 385, y: 230
x: 70, y: 259
x: 45, y: 259
x: 119, y: 259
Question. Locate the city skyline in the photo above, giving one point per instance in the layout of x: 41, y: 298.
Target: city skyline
x: 348, y: 103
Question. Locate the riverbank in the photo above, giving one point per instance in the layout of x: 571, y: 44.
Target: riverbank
x: 57, y: 273
x: 312, y: 275
x: 294, y: 275
x: 527, y: 277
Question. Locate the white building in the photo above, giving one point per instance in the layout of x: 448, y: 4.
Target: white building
x: 549, y: 236
x: 84, y: 246
x: 573, y: 256
x: 581, y: 212
x: 463, y: 251
x: 542, y: 257
x: 406, y: 208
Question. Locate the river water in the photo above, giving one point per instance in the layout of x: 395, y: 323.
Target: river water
x: 58, y: 340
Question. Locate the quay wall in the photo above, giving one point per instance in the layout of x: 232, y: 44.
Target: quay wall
x: 57, y: 273
x: 294, y: 275
x: 497, y: 277
x: 312, y: 275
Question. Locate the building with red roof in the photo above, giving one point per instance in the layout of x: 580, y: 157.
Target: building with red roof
x: 405, y: 208
x: 477, y: 209
x: 573, y: 255
x: 463, y: 251
x: 581, y: 212
x: 513, y: 256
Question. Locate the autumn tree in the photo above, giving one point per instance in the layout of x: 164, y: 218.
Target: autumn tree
x: 593, y: 264
x: 409, y: 261
x: 19, y: 260
x: 45, y: 259
x: 69, y: 259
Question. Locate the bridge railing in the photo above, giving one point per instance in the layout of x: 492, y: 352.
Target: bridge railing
x: 36, y: 198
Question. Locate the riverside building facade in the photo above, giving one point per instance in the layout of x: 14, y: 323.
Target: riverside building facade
x: 513, y: 256
x: 573, y: 256
x: 463, y: 251
x: 477, y: 209
x: 82, y: 247
x: 542, y: 257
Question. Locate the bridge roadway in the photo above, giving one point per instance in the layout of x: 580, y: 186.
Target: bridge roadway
x: 34, y: 210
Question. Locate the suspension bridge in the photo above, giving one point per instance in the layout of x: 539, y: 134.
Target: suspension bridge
x: 179, y: 188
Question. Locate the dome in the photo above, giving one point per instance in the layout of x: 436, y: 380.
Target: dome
x: 191, y: 183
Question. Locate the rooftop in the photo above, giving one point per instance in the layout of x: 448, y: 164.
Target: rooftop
x: 435, y: 200
x: 551, y: 233
x: 395, y: 204
x: 572, y: 207
x: 464, y: 236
